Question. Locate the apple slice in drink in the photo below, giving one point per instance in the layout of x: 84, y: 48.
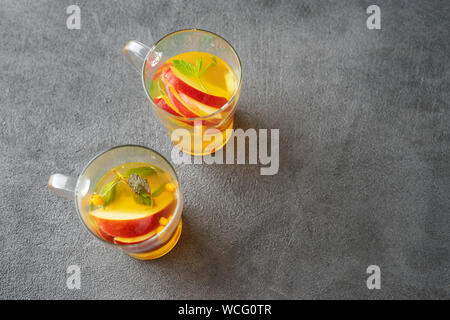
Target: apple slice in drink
x: 191, y: 108
x: 161, y: 102
x: 176, y: 100
x: 133, y: 240
x: 165, y: 104
x: 105, y: 236
x: 134, y: 222
x: 203, y: 110
x: 197, y: 107
x: 172, y: 76
x: 123, y: 224
x: 212, y: 87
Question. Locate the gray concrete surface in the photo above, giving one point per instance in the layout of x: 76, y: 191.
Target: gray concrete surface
x: 364, y: 150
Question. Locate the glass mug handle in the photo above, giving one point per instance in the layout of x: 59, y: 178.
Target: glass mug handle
x: 62, y: 185
x: 136, y: 52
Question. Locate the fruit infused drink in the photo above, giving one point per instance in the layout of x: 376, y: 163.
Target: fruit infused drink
x: 193, y: 91
x: 133, y: 203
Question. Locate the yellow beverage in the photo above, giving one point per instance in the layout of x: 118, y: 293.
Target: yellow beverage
x: 194, y: 92
x: 133, y: 203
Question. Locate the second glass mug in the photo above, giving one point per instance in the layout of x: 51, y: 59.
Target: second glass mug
x: 80, y: 189
x: 201, y: 135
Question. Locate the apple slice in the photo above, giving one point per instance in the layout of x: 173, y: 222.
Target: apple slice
x: 166, y: 107
x: 203, y: 110
x: 203, y: 97
x: 181, y: 105
x: 133, y: 240
x: 222, y: 90
x: 198, y: 107
x: 105, y: 236
x: 123, y: 224
x: 178, y: 103
x: 133, y: 221
x: 190, y: 110
x: 168, y: 210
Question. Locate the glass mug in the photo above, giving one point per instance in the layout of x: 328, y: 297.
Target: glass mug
x: 81, y: 189
x: 201, y: 135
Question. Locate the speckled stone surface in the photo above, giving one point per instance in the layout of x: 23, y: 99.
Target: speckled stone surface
x: 364, y: 151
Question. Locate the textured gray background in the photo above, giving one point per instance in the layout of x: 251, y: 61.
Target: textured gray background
x: 364, y: 150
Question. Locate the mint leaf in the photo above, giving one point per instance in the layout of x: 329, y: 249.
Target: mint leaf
x: 144, y: 198
x: 108, y: 192
x: 141, y: 171
x: 158, y: 190
x: 141, y: 189
x: 189, y: 70
x: 138, y: 184
x: 184, y: 67
x: 198, y: 65
x: 152, y: 85
x: 212, y: 64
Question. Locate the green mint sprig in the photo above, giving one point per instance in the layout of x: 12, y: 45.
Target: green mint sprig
x: 159, y: 190
x: 141, y: 188
x: 108, y: 191
x: 194, y: 71
x: 135, y: 179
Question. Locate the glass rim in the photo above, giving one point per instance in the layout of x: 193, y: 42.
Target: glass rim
x: 202, y: 117
x: 135, y: 245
